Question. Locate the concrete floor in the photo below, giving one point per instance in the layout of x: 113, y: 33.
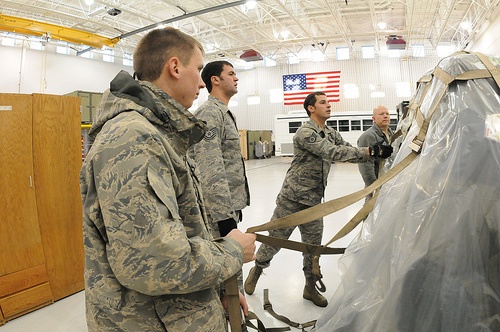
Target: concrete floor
x: 284, y: 278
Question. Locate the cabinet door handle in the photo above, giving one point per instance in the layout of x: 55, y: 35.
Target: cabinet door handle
x: 31, y: 182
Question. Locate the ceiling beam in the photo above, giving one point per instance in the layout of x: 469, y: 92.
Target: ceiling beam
x: 35, y: 28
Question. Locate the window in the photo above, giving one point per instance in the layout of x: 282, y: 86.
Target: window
x: 317, y: 55
x: 88, y: 55
x: 368, y: 52
x: 293, y: 126
x: 128, y: 60
x: 393, y: 124
x: 367, y: 123
x: 418, y: 50
x: 269, y: 62
x: 6, y: 41
x: 344, y: 125
x: 355, y: 124
x: 332, y: 123
x: 293, y: 59
x: 62, y: 50
x: 108, y: 56
x: 36, y: 45
x: 342, y: 53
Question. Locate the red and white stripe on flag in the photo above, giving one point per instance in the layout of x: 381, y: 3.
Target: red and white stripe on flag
x: 297, y: 86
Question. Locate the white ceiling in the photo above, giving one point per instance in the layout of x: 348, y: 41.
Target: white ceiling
x: 312, y: 24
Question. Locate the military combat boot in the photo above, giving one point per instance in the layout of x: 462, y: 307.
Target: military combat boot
x: 312, y: 294
x: 253, y: 277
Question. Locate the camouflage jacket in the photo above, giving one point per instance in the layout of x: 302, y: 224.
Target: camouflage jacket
x: 374, y: 135
x: 314, y: 151
x: 220, y: 163
x: 150, y: 264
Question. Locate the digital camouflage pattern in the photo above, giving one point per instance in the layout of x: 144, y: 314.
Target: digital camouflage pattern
x: 314, y: 151
x: 304, y: 186
x: 220, y: 163
x: 150, y: 263
x: 311, y: 233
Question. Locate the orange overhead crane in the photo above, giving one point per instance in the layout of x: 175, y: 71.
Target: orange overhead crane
x: 35, y: 28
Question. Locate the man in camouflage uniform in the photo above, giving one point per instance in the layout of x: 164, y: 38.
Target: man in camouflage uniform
x: 379, y: 133
x: 150, y: 263
x: 316, y: 146
x: 218, y: 155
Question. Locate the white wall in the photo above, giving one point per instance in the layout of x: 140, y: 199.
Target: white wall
x: 487, y: 39
x: 362, y: 72
x: 25, y: 70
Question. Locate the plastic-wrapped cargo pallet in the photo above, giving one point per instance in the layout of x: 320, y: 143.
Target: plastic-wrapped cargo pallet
x: 427, y: 257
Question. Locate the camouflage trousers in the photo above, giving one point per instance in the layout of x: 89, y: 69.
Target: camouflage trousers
x: 311, y: 232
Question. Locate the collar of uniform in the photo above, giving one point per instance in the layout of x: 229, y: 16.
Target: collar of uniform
x: 177, y: 115
x: 379, y: 131
x: 317, y: 128
x: 218, y: 102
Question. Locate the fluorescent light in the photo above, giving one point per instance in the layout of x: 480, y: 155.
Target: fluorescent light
x: 342, y: 53
x: 269, y: 62
x: 444, y: 50
x: 284, y: 34
x: 466, y: 25
x: 368, y: 52
x: 351, y: 91
x: 377, y: 94
x: 253, y: 100
x: 293, y: 59
x: 251, y: 4
x: 317, y: 56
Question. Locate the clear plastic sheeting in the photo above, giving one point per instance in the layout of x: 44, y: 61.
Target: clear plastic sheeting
x: 427, y: 257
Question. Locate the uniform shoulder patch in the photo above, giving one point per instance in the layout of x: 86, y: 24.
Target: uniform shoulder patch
x: 312, y: 138
x: 211, y: 134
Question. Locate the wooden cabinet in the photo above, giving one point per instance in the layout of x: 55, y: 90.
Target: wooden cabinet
x: 41, y: 248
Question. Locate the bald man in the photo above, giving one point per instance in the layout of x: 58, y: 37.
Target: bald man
x: 379, y: 133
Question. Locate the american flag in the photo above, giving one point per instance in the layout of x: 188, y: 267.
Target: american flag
x: 297, y: 86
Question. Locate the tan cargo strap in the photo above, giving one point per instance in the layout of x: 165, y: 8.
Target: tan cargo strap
x: 260, y: 326
x: 323, y: 209
x: 316, y: 272
x: 299, y: 246
x: 358, y: 217
x: 269, y: 308
x: 233, y: 303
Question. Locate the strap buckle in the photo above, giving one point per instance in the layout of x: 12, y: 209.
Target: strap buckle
x: 321, y: 288
x: 416, y: 144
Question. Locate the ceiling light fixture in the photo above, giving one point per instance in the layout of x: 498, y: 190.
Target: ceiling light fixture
x: 114, y: 11
x: 382, y: 25
x: 89, y: 2
x: 251, y: 4
x: 284, y: 34
x: 467, y: 26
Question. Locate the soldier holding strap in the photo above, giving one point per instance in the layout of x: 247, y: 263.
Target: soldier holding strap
x: 150, y: 262
x: 316, y: 146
